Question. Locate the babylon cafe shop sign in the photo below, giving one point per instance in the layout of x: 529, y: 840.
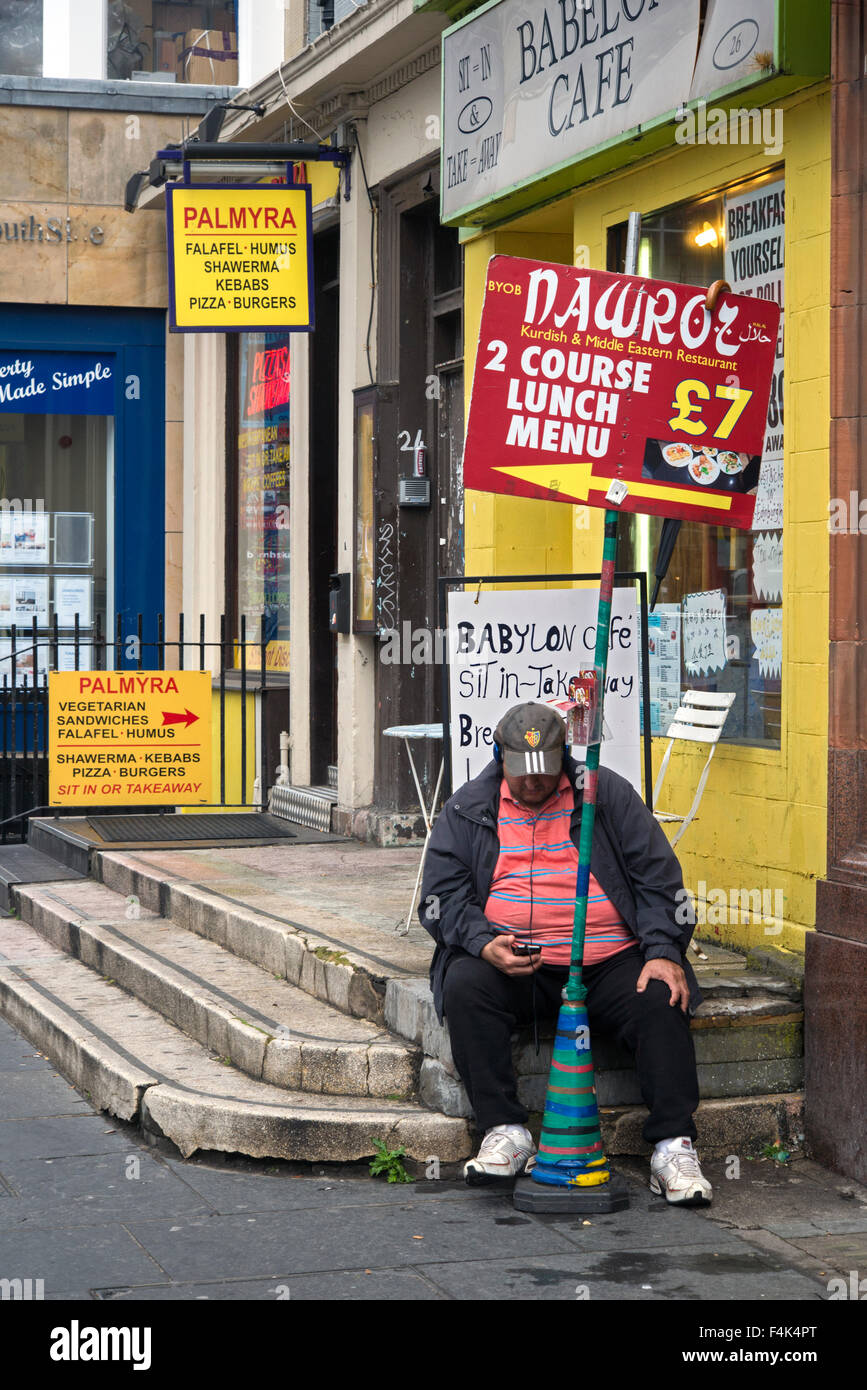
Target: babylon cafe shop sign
x: 239, y: 258
x: 584, y: 377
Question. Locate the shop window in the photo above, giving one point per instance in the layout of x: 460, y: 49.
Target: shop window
x: 21, y: 38
x: 185, y: 41
x: 723, y: 590
x: 324, y: 14
x: 55, y: 482
x: 259, y: 564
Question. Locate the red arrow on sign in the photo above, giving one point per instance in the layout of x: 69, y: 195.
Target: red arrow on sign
x: 187, y: 718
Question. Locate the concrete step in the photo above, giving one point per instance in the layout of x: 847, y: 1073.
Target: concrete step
x: 24, y: 864
x: 268, y: 1028
x: 332, y: 954
x: 735, y: 1126
x: 131, y: 1062
x: 748, y: 1033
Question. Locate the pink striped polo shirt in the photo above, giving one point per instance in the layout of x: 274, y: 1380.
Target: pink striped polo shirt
x: 532, y: 893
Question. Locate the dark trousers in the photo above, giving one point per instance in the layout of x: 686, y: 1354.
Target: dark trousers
x: 483, y: 1007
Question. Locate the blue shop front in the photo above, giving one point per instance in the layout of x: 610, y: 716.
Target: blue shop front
x: 82, y: 485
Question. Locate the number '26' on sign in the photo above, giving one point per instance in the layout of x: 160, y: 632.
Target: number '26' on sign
x: 687, y: 407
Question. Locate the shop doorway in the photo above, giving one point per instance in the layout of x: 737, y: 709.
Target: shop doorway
x: 324, y: 351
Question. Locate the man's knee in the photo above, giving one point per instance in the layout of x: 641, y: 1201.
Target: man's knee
x: 653, y: 1007
x: 466, y: 979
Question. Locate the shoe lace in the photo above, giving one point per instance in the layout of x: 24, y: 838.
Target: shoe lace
x: 498, y: 1143
x: 687, y: 1165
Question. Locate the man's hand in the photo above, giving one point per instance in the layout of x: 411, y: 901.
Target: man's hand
x: 671, y: 975
x: 499, y: 953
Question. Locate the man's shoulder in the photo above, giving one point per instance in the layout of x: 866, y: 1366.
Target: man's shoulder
x: 480, y: 792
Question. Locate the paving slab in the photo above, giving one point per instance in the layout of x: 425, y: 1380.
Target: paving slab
x: 680, y: 1273
x: 97, y: 1254
x: 79, y: 1191
x: 229, y: 1192
x: 326, y: 1239
x: 378, y: 1285
x: 297, y: 1234
x: 54, y: 1136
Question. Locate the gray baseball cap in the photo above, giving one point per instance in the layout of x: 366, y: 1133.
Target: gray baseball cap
x: 531, y: 738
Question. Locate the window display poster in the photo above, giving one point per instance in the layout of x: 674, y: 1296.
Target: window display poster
x: 66, y: 657
x: 766, y: 631
x: 24, y: 658
x: 664, y: 644
x: 263, y: 492
x: 23, y: 538
x: 73, y: 595
x: 704, y: 632
x: 23, y: 597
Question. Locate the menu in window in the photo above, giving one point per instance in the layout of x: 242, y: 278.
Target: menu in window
x: 663, y: 644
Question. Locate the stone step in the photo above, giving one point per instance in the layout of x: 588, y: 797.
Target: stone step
x: 337, y: 957
x: 729, y: 1127
x: 24, y: 864
x: 132, y: 1063
x: 748, y: 1032
x: 344, y: 955
x: 268, y: 1028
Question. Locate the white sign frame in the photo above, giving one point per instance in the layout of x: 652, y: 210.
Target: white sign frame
x: 548, y: 609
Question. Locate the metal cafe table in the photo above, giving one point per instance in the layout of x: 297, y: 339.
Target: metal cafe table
x: 408, y: 732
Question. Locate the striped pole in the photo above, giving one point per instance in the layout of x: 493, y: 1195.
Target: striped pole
x: 570, y: 1145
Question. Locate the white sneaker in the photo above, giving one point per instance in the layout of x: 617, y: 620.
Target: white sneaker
x: 676, y: 1176
x: 503, y: 1154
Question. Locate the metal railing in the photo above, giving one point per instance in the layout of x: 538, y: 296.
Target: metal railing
x: 241, y: 668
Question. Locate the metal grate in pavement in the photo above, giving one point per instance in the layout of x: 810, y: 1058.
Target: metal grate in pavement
x: 252, y: 826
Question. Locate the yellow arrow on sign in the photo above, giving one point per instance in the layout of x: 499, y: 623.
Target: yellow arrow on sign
x: 577, y: 481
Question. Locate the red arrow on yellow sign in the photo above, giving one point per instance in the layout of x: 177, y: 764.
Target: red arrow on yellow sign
x: 577, y: 481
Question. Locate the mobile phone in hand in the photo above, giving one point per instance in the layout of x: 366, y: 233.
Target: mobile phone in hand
x: 525, y: 949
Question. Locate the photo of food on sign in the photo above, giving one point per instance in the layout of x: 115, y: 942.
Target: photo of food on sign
x: 584, y: 378
x: 674, y: 462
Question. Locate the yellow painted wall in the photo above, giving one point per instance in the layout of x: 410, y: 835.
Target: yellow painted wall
x: 762, y: 823
x: 236, y: 796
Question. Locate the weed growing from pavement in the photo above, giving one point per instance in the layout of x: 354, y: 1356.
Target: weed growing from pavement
x: 389, y: 1161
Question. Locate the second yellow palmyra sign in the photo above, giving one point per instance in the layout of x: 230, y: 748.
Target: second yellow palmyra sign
x: 129, y: 737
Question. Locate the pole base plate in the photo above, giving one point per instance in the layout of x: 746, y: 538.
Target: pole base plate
x: 571, y: 1201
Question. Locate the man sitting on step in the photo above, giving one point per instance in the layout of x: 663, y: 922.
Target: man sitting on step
x: 500, y: 872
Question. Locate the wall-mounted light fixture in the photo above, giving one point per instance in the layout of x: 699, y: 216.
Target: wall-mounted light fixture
x: 708, y: 236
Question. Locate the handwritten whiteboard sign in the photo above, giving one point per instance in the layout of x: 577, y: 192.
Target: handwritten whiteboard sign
x: 525, y: 644
x: 704, y: 632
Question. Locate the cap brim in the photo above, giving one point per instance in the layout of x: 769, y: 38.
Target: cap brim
x: 533, y: 760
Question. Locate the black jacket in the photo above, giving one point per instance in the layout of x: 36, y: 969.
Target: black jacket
x: 631, y: 860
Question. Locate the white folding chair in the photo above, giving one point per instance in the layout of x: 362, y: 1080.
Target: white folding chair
x: 700, y: 719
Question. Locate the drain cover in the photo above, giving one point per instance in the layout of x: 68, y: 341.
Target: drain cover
x: 193, y: 827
